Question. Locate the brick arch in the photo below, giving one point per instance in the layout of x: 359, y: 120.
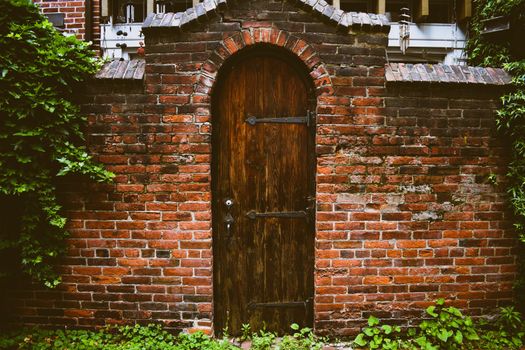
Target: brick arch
x: 263, y: 35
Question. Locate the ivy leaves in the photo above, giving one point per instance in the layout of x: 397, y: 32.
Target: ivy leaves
x: 445, y: 327
x: 40, y: 133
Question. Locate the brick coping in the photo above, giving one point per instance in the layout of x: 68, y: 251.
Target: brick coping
x: 394, y: 73
x: 442, y: 73
x: 207, y: 8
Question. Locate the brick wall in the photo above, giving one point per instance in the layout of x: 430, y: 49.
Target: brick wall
x: 75, y: 16
x: 405, y: 213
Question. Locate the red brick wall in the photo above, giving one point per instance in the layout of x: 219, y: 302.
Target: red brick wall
x: 75, y: 16
x: 405, y: 213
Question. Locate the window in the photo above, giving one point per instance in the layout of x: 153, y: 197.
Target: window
x: 440, y: 11
x: 129, y: 11
x: 393, y: 8
x: 358, y: 6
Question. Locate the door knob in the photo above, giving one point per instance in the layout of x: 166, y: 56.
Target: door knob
x: 228, y: 219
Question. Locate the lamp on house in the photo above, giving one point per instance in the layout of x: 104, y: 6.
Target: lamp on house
x: 404, y: 29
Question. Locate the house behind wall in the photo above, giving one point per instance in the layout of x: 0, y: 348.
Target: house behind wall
x: 437, y: 30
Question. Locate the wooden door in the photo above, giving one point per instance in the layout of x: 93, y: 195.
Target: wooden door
x: 263, y: 195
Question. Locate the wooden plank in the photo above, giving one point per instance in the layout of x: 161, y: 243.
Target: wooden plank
x: 266, y: 167
x: 149, y: 7
x: 104, y: 8
x: 380, y: 7
x: 464, y: 9
x: 121, y: 70
x: 130, y: 71
x: 422, y: 10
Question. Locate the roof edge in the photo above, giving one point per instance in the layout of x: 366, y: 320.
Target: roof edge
x: 445, y: 74
x: 122, y: 70
x: 207, y: 9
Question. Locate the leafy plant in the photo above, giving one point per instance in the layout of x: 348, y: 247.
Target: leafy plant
x: 447, y: 329
x: 199, y: 340
x: 263, y: 340
x: 40, y: 136
x: 301, y: 339
x: 377, y: 336
x: 246, y: 330
x: 109, y: 338
x: 507, y: 332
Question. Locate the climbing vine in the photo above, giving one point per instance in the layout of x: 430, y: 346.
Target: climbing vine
x: 511, y: 116
x: 40, y: 137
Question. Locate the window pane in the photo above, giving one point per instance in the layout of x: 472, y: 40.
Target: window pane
x: 175, y: 5
x: 440, y: 11
x: 357, y: 5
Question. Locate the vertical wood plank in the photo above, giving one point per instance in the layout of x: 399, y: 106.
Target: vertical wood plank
x: 422, y: 10
x: 380, y: 7
x: 149, y: 7
x: 464, y: 9
x: 104, y: 8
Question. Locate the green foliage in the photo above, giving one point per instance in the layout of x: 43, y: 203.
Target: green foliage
x: 40, y: 134
x: 447, y: 329
x: 199, y: 340
x: 301, y: 339
x: 110, y: 338
x: 149, y: 337
x: 507, y: 332
x: 511, y: 116
x: 485, y: 52
x: 378, y: 336
x: 263, y: 340
x: 440, y: 332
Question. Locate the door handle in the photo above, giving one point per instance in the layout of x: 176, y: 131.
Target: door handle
x: 228, y: 218
x: 311, y: 203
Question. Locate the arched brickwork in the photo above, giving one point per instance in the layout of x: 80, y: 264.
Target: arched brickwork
x: 263, y: 35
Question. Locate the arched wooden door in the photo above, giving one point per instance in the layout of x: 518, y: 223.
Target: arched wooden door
x: 263, y: 183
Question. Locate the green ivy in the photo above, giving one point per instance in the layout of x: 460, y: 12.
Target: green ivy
x: 40, y: 135
x: 511, y: 116
x: 446, y: 328
x: 152, y: 337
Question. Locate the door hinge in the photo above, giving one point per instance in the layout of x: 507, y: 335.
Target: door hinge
x: 276, y: 214
x: 308, y: 120
x: 280, y: 304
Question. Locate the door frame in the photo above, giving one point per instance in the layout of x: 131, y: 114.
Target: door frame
x: 302, y: 71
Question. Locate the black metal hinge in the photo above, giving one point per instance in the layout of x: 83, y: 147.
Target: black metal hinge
x: 276, y: 214
x: 308, y: 119
x: 280, y: 304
